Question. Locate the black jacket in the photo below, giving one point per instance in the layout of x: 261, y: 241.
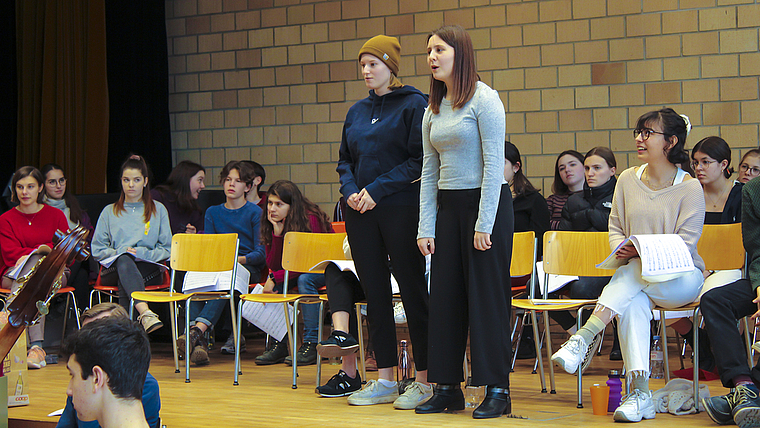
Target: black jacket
x: 589, y: 211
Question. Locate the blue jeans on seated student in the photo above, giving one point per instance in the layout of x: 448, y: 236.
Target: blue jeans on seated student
x: 310, y: 283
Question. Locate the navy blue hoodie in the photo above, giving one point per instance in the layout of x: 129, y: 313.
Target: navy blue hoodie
x: 381, y: 149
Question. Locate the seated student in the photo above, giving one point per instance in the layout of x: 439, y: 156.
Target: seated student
x: 58, y: 195
x: 722, y: 307
x: 179, y: 194
x: 239, y: 216
x: 290, y: 211
x: 711, y: 161
x: 135, y: 227
x: 151, y: 398
x: 256, y: 196
x: 589, y: 211
x: 568, y: 179
x: 749, y: 167
x: 108, y: 362
x: 25, y: 229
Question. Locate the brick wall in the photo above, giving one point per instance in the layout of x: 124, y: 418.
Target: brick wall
x: 271, y: 80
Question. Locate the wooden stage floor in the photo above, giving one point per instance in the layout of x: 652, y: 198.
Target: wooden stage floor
x: 264, y: 398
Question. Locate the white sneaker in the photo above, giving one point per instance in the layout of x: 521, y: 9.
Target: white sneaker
x: 414, y: 395
x: 373, y: 392
x: 398, y: 313
x: 571, y: 354
x: 635, y: 406
x: 591, y: 352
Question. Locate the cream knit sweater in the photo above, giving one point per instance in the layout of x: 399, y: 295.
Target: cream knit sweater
x: 636, y: 209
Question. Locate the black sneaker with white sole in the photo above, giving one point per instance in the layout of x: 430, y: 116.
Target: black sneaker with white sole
x: 719, y: 408
x: 746, y: 406
x: 338, y: 344
x: 340, y: 385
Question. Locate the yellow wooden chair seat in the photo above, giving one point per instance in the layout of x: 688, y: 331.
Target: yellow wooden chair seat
x: 551, y: 305
x: 270, y: 298
x: 159, y: 296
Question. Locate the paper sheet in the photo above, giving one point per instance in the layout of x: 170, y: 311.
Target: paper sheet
x: 555, y: 281
x: 348, y: 265
x: 267, y: 316
x: 107, y: 262
x: 663, y: 256
x: 216, y: 281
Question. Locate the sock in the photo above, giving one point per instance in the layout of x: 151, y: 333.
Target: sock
x: 387, y: 383
x: 593, y: 326
x: 36, y: 343
x: 572, y: 330
x: 356, y: 373
x: 742, y: 380
x: 640, y: 382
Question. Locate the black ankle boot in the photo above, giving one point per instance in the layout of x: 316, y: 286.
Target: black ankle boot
x: 706, y: 359
x: 445, y: 397
x: 497, y: 403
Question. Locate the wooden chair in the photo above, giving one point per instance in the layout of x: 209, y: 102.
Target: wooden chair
x: 524, y: 246
x: 721, y: 248
x: 300, y: 252
x: 567, y: 253
x: 199, y: 253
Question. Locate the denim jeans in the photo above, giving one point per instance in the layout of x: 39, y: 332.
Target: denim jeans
x: 310, y: 283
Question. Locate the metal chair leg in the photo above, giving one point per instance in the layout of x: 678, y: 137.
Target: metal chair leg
x: 319, y: 338
x: 361, y: 340
x: 237, y: 345
x: 173, y: 314
x: 538, y: 351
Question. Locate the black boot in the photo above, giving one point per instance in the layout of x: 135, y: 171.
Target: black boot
x: 615, y: 354
x: 445, y: 397
x: 276, y: 354
x: 497, y: 403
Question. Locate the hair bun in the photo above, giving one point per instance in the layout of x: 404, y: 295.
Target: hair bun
x: 688, y: 123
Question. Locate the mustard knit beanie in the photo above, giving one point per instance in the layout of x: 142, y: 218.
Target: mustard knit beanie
x: 387, y: 49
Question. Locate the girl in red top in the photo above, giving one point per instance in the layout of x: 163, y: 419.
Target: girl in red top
x: 26, y: 229
x: 290, y: 211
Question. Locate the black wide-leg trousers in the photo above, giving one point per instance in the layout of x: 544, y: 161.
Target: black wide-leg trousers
x: 470, y: 288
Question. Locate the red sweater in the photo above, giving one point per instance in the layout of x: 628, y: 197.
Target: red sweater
x: 274, y: 252
x: 18, y: 238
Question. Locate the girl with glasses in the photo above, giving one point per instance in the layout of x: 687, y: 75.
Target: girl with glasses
x: 657, y: 197
x: 749, y: 167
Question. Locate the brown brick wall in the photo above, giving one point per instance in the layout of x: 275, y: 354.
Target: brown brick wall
x: 271, y: 80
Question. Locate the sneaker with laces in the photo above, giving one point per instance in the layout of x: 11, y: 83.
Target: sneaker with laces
x: 199, y: 355
x: 571, y: 354
x: 275, y: 354
x: 340, y: 385
x: 35, y: 358
x: 373, y: 392
x: 229, y: 346
x: 339, y: 344
x: 415, y: 394
x: 150, y: 322
x: 746, y: 406
x: 719, y: 408
x: 591, y: 352
x: 305, y: 356
x: 195, y: 336
x: 635, y: 406
x: 370, y: 364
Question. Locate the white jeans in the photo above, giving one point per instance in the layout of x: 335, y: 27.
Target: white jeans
x: 632, y: 299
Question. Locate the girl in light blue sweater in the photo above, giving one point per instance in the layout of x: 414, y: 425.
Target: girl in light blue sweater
x: 137, y: 230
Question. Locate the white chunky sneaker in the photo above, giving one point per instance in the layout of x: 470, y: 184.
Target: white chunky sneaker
x: 571, y: 354
x: 635, y: 406
x: 591, y: 352
x: 414, y: 395
x: 373, y: 392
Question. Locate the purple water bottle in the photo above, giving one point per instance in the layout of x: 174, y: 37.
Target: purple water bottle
x: 616, y: 390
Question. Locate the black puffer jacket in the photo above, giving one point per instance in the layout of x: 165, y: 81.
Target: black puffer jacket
x: 589, y: 211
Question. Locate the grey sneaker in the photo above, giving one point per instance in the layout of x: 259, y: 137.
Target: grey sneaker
x: 415, y: 394
x: 229, y: 346
x: 635, y: 406
x: 373, y: 392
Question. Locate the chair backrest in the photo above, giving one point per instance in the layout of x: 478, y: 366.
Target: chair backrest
x: 302, y: 250
x: 576, y: 253
x: 523, y: 253
x: 214, y: 252
x: 339, y: 226
x: 721, y: 246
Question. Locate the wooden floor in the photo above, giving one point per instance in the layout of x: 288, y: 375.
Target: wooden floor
x: 264, y: 398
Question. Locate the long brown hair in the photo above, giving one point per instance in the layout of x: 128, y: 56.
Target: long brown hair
x: 464, y: 71
x: 138, y: 163
x: 298, y: 215
x: 28, y: 171
x: 75, y: 210
x: 178, y: 185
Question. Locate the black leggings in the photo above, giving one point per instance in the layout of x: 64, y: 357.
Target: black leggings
x: 343, y: 291
x: 374, y: 236
x: 471, y: 288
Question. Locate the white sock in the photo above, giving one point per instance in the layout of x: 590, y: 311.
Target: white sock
x: 387, y: 383
x: 572, y: 330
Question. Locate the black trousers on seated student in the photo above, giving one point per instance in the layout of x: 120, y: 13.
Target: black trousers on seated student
x: 391, y: 231
x: 131, y: 276
x: 343, y: 291
x: 721, y: 308
x: 471, y: 288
